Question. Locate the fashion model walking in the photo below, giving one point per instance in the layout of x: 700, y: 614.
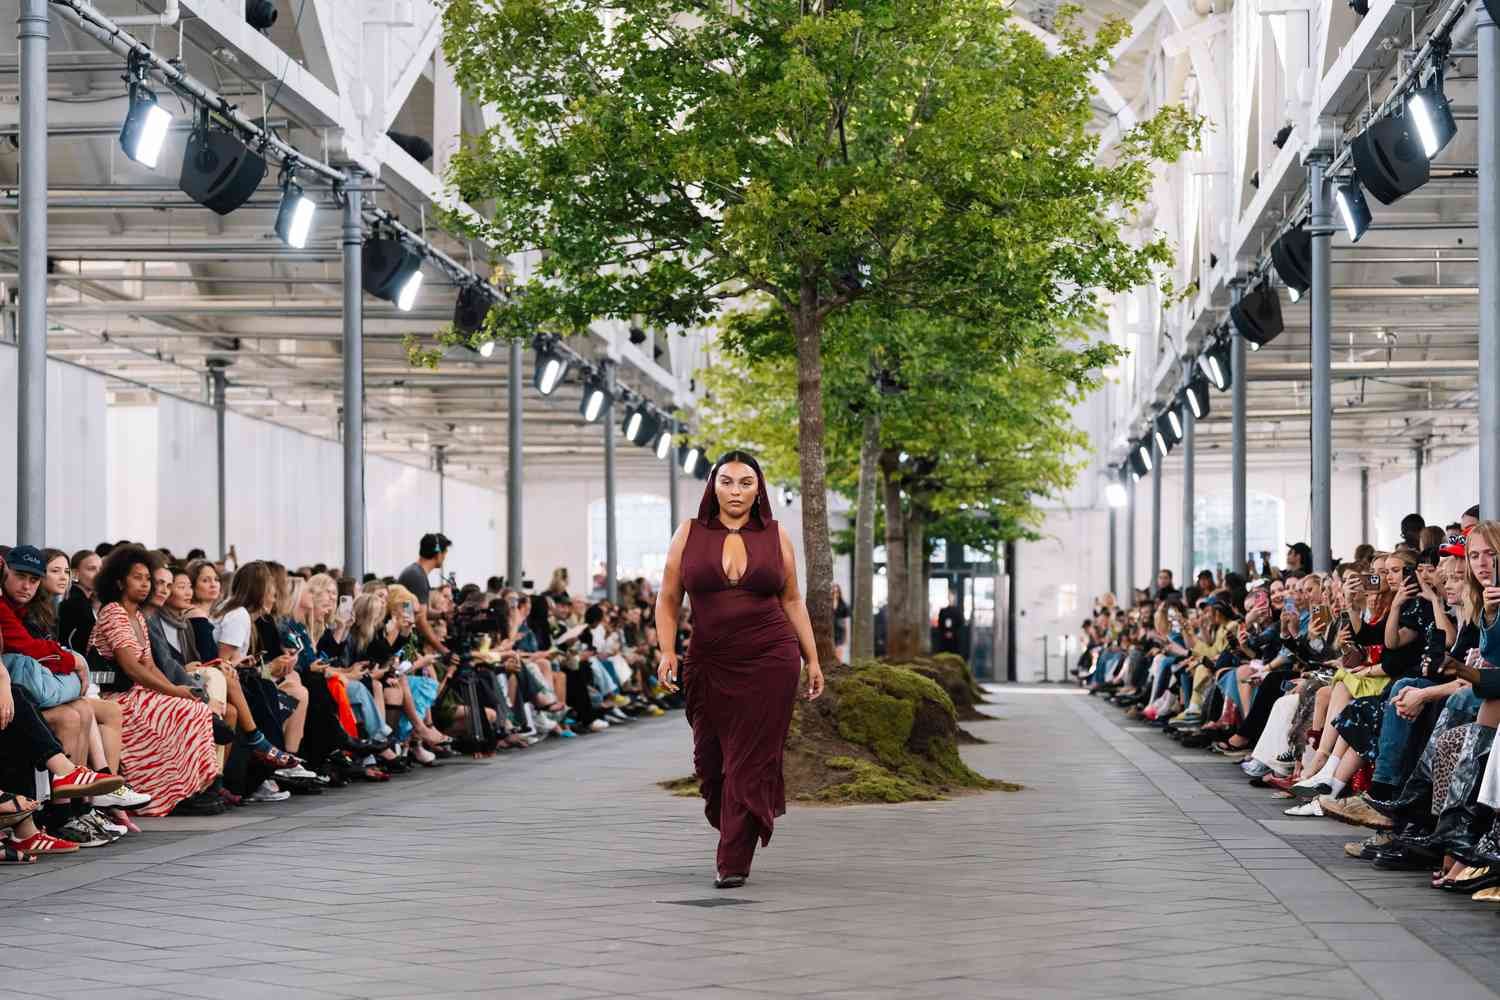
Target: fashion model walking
x: 751, y: 635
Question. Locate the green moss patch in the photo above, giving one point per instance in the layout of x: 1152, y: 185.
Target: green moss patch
x: 683, y: 788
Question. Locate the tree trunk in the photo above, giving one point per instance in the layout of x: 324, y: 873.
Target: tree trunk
x: 920, y: 625
x: 818, y: 549
x: 862, y: 625
x: 900, y: 639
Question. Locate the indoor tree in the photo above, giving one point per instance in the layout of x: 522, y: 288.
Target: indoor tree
x: 670, y: 156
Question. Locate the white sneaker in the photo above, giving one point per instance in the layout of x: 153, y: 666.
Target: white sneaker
x: 1309, y: 808
x: 598, y: 726
x: 423, y: 755
x: 105, y: 825
x: 123, y: 797
x: 269, y: 791
x: 297, y: 771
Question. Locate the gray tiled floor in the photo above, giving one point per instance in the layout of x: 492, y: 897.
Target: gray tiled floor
x: 557, y: 874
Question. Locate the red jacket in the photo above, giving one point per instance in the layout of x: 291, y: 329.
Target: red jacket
x: 17, y: 639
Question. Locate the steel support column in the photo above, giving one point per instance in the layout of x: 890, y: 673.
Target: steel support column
x: 219, y: 385
x: 1114, y: 568
x: 353, y: 241
x: 515, y: 570
x: 1488, y: 99
x: 1189, y: 436
x: 611, y: 531
x: 1157, y: 458
x: 439, y: 464
x: 1322, y: 383
x: 1364, y: 504
x: 31, y: 370
x: 1237, y: 443
x: 672, y: 505
x: 1127, y: 597
x: 1418, y: 453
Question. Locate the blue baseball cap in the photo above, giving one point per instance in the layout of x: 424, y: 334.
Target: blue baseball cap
x: 26, y: 559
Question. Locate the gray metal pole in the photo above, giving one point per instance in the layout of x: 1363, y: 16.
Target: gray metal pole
x: 672, y: 504
x: 1320, y: 358
x: 31, y: 370
x: 220, y: 401
x: 1488, y: 99
x: 1364, y: 505
x: 1127, y: 599
x: 440, y: 462
x: 1189, y: 439
x: 1417, y: 456
x: 1114, y: 568
x: 611, y: 536
x: 1237, y: 445
x: 1157, y: 458
x: 353, y: 240
x: 515, y: 570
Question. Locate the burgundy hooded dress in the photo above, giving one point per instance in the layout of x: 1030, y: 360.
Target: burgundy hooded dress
x: 741, y: 673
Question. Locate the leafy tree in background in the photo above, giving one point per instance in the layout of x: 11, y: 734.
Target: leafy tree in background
x: 970, y: 433
x: 669, y: 156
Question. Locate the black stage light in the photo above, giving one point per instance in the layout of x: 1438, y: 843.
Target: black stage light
x: 470, y: 310
x: 1216, y: 365
x: 1354, y: 211
x: 637, y: 335
x: 145, y: 127
x: 1140, y: 458
x: 1360, y: 7
x: 415, y: 146
x: 1195, y: 394
x: 294, y: 218
x: 1389, y: 160
x: 219, y: 171
x: 693, y: 461
x: 1292, y: 257
x: 1431, y: 116
x: 260, y: 14
x: 662, y: 445
x: 591, y: 403
x: 640, y: 424
x: 392, y: 271
x: 1257, y: 316
x: 1167, y: 432
x: 549, y: 369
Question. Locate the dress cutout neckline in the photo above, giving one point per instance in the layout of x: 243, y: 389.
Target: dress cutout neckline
x: 724, y: 567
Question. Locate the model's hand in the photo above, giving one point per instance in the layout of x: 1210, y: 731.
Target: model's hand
x: 666, y: 671
x: 814, y: 681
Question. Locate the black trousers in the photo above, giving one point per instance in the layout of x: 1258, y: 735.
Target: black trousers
x: 1265, y: 697
x: 25, y: 746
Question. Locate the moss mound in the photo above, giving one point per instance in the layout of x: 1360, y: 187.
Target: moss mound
x: 882, y: 732
x: 683, y: 788
x: 952, y: 674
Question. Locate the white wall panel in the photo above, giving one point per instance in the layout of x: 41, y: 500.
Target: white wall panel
x: 77, y: 469
x: 134, y: 473
x: 186, y: 505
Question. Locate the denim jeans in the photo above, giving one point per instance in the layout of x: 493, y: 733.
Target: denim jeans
x: 1106, y: 665
x: 1229, y: 683
x: 47, y: 690
x: 1395, y: 732
x: 363, y: 703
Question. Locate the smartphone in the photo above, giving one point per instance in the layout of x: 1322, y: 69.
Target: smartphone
x: 1289, y: 605
x: 1373, y: 580
x: 1259, y: 599
x: 346, y: 607
x: 1494, y: 568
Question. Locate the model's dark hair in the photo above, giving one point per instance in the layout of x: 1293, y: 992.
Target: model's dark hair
x: 709, y: 508
x: 110, y: 584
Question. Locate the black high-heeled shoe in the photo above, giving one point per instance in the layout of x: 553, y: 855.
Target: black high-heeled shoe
x: 730, y: 881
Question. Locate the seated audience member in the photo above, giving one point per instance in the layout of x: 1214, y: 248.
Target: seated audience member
x: 76, y: 614
x: 167, y: 744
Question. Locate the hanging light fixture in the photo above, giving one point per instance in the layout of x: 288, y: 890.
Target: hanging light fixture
x: 662, y: 446
x: 1195, y: 395
x: 550, y: 367
x: 1354, y: 211
x: 1215, y: 363
x: 1291, y: 255
x: 1431, y: 115
x: 392, y: 271
x: 1140, y: 458
x: 591, y: 403
x: 294, y: 217
x: 145, y: 127
x: 1257, y: 316
x: 471, y: 309
x: 640, y: 424
x: 692, y: 459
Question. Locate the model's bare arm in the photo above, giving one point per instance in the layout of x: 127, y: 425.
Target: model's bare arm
x: 669, y: 606
x: 796, y: 613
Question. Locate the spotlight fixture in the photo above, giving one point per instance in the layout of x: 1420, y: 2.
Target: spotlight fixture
x: 1169, y: 428
x: 1195, y: 394
x: 1257, y: 316
x: 145, y: 127
x: 260, y: 14
x: 591, y: 404
x: 219, y: 171
x: 1115, y: 495
x: 1354, y: 211
x: 1431, y: 115
x: 294, y: 218
x: 1216, y: 365
x: 392, y: 271
x: 662, y: 446
x: 1292, y: 257
x: 637, y: 335
x: 640, y: 424
x: 415, y: 146
x: 1140, y: 458
x: 692, y: 460
x: 1388, y: 158
x: 470, y: 310
x: 549, y: 369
